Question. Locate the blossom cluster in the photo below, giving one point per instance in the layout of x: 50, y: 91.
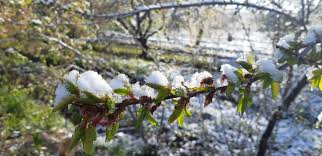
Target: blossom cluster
x: 92, y: 82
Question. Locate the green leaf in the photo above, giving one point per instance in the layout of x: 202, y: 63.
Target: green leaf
x: 142, y: 112
x: 245, y: 65
x: 88, y: 140
x: 261, y: 75
x: 158, y: 87
x: 187, y: 112
x: 78, y: 133
x: 150, y: 118
x: 244, y: 100
x: 122, y: 91
x: 175, y: 114
x: 180, y: 119
x: 111, y: 131
x: 72, y: 88
x: 64, y: 103
x: 90, y: 98
x: 110, y: 103
x: 320, y: 86
x: 161, y: 96
x: 250, y: 57
x: 241, y: 107
x: 199, y: 89
x: 230, y: 88
x: 180, y: 92
x: 267, y: 82
x: 239, y: 74
x: 275, y: 89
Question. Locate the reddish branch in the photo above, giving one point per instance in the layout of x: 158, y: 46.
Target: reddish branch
x: 97, y: 112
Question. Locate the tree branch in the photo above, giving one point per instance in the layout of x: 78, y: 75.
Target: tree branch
x: 290, y: 97
x: 189, y: 5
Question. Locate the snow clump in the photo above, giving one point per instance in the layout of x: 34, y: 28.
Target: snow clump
x: 156, y: 77
x: 94, y: 83
x: 314, y: 35
x: 229, y: 72
x: 61, y: 93
x: 267, y: 66
x: 285, y: 41
x: 197, y: 78
x: 120, y: 81
x: 139, y: 91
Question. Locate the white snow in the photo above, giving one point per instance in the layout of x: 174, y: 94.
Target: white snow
x: 120, y: 81
x: 268, y: 66
x: 60, y: 93
x: 285, y: 41
x: 309, y: 73
x: 229, y: 72
x: 156, y: 77
x: 314, y: 34
x: 144, y: 90
x: 197, y: 78
x: 36, y: 21
x: 93, y: 82
x: 320, y: 117
x: 72, y: 76
x: 177, y: 82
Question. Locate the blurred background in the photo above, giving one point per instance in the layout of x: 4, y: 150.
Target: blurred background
x: 40, y: 40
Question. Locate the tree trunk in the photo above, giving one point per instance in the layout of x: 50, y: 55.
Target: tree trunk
x: 263, y: 144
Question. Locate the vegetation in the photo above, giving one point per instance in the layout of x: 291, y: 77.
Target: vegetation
x: 74, y: 72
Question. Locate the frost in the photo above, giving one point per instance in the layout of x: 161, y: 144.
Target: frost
x: 285, y: 41
x: 72, y: 76
x: 93, y: 82
x: 314, y: 35
x: 60, y: 93
x: 120, y: 81
x: 144, y: 90
x: 156, y: 77
x: 197, y: 78
x: 229, y: 72
x: 268, y: 66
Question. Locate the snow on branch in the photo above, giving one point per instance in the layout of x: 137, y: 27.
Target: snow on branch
x: 143, y: 8
x: 103, y: 103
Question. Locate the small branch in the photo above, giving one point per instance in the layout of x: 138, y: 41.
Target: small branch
x: 65, y: 45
